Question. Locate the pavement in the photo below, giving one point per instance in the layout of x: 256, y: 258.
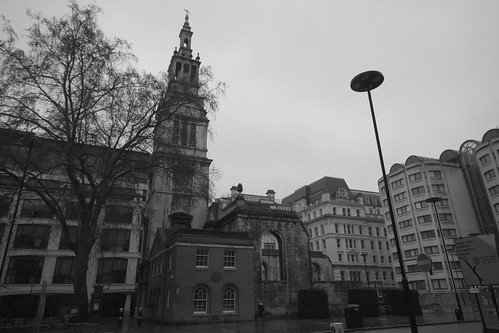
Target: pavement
x: 271, y: 326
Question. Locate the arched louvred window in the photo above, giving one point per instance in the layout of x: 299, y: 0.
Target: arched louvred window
x: 316, y: 272
x: 272, y: 257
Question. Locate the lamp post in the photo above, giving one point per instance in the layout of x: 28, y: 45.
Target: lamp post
x: 365, y: 82
x: 18, y: 199
x: 459, y: 311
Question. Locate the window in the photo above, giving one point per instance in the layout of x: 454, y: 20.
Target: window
x: 397, y: 183
x: 118, y: 214
x: 437, y: 266
x: 201, y: 300
x: 338, y: 242
x: 372, y: 245
x: 370, y: 231
x: 418, y: 190
x: 400, y: 196
x: 64, y: 243
x: 408, y: 238
x: 377, y: 231
x: 402, y: 210
x: 36, y: 208
x: 5, y: 202
x: 428, y: 234
x: 116, y: 240
x: 405, y: 223
x: 449, y: 233
x: 24, y: 270
x: 272, y: 258
x: 342, y: 275
x: 334, y: 210
x: 435, y: 174
x: 362, y: 243
x: 431, y: 249
x: 360, y: 230
x: 316, y: 231
x: 337, y: 228
x: 229, y: 259
x: 438, y: 188
x: 324, y: 244
x: 323, y: 229
x: 494, y: 190
x: 340, y: 257
x: 484, y: 159
x: 229, y: 300
x: 496, y: 208
x: 111, y: 270
x: 418, y: 284
x: 202, y: 258
x: 62, y: 272
x: 380, y: 245
x: 32, y: 236
x: 374, y: 259
x: 456, y: 265
x: 445, y: 217
x: 439, y: 284
x: 415, y: 176
x: 424, y: 219
x: 411, y: 253
x: 489, y: 175
x: 420, y: 204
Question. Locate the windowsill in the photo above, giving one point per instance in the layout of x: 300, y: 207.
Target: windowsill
x: 230, y: 269
x: 204, y: 314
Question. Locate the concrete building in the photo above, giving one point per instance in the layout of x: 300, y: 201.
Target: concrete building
x: 37, y: 252
x: 346, y: 225
x: 410, y: 185
x: 487, y: 157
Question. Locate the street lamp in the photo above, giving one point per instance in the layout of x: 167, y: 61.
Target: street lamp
x: 459, y: 311
x: 368, y: 81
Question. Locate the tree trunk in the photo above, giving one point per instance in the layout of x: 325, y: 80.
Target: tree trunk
x: 80, y: 268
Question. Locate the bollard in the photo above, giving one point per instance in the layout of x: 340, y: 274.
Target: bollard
x: 120, y: 321
x: 139, y: 317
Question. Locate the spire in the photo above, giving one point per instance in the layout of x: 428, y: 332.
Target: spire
x: 184, y: 66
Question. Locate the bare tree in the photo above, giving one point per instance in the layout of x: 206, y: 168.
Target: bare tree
x: 94, y: 115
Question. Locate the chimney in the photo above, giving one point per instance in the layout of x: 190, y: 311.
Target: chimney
x: 271, y: 195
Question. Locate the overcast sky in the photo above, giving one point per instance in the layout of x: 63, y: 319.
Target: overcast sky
x: 289, y: 116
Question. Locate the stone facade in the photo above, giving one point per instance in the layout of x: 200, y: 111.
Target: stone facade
x: 281, y: 261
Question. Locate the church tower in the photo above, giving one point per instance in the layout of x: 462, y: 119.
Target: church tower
x: 179, y: 184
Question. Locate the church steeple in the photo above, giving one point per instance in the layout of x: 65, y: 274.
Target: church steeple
x: 182, y: 66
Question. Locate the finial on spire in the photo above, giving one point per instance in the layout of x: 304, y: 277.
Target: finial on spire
x: 187, y: 12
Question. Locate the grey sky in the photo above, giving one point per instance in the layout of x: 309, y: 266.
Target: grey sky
x: 289, y: 116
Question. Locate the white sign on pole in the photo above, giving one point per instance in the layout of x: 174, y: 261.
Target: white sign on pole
x: 478, y: 258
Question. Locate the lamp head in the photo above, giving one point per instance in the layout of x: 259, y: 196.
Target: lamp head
x: 433, y: 199
x: 367, y: 81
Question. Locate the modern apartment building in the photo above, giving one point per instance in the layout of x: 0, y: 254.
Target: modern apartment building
x: 487, y: 156
x: 347, y: 225
x: 411, y: 184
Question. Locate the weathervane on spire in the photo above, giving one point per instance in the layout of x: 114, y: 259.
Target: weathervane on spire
x: 187, y: 12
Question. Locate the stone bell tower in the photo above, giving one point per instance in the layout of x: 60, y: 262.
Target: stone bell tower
x: 179, y: 184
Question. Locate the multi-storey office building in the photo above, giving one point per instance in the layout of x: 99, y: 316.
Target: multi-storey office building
x: 347, y: 225
x: 38, y: 252
x: 410, y: 185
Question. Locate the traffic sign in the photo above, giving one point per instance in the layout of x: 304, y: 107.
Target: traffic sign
x: 478, y: 258
x: 424, y: 262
